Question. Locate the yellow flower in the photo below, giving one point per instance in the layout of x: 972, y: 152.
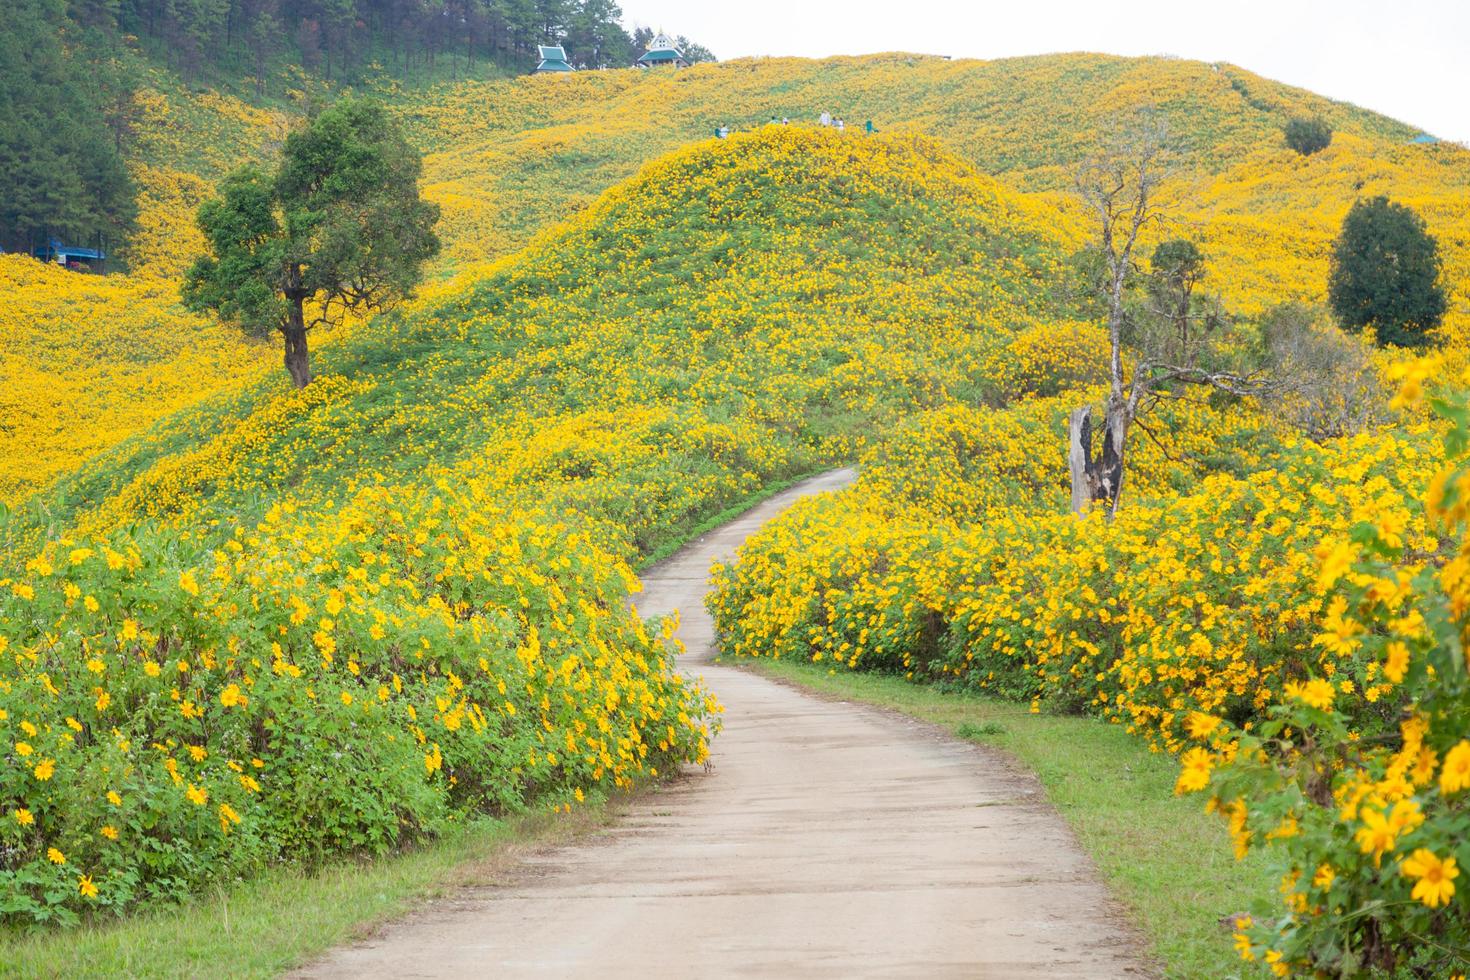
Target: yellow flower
x: 23, y: 749
x: 1315, y: 693
x: 188, y: 583
x: 44, y: 769
x: 1194, y: 772
x: 85, y: 886
x: 55, y: 856
x: 23, y: 817
x: 1436, y: 878
x: 1455, y: 775
x: 1200, y: 725
x: 196, y: 795
x: 110, y: 832
x: 232, y: 696
x: 1397, y: 662
x: 114, y: 798
x: 1377, y: 835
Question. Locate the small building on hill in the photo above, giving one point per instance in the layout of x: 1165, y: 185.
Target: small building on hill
x: 553, y: 58
x: 71, y: 256
x: 661, y: 52
x: 1424, y: 138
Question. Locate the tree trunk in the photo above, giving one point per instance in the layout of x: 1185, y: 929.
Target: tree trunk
x: 298, y: 357
x: 1097, y: 479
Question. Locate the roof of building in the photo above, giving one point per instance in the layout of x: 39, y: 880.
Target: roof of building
x: 663, y: 49
x: 55, y: 247
x: 1424, y: 138
x: 553, y: 58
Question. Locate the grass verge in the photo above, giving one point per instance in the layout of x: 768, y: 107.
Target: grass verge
x: 1161, y: 855
x: 286, y: 916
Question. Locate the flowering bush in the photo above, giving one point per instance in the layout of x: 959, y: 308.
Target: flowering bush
x: 289, y: 624
x: 1200, y: 597
x: 1366, y: 808
x: 321, y: 682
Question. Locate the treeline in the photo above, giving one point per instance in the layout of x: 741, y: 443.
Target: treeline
x: 337, y: 38
x: 61, y: 169
x: 67, y: 66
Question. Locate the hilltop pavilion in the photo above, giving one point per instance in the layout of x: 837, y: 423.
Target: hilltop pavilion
x: 553, y: 58
x: 663, y: 51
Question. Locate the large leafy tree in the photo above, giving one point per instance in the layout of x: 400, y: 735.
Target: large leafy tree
x: 1385, y: 274
x: 338, y: 227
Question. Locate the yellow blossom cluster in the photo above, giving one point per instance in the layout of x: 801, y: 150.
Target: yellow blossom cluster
x: 295, y: 623
x: 954, y: 557
x: 509, y: 158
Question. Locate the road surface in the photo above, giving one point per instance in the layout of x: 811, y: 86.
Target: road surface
x: 828, y: 839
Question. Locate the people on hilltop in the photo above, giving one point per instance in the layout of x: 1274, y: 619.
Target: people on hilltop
x: 826, y: 119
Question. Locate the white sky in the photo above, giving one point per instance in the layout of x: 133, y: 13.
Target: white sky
x: 1409, y: 59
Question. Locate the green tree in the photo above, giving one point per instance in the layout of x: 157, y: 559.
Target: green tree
x: 1307, y: 136
x: 1385, y: 274
x: 338, y: 227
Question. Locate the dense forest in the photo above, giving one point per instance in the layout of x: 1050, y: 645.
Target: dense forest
x: 337, y: 37
x: 67, y: 70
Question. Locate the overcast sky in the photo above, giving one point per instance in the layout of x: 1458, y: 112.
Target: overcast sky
x: 1409, y: 59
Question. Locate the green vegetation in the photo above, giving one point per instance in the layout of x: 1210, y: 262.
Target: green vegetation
x: 339, y: 619
x: 1385, y: 274
x: 340, y: 226
x: 60, y: 170
x: 1169, y: 862
x: 1308, y: 136
x: 283, y: 917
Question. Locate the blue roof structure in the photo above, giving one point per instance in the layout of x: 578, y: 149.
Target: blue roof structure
x: 55, y: 249
x: 553, y: 58
x: 1424, y: 138
x: 662, y: 51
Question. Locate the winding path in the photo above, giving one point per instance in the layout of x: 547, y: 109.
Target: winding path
x: 828, y: 840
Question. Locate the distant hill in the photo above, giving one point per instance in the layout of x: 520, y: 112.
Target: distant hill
x: 762, y: 301
x: 509, y: 158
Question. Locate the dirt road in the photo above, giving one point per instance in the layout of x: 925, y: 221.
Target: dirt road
x: 828, y: 840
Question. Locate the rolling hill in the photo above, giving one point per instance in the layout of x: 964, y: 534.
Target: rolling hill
x: 506, y: 159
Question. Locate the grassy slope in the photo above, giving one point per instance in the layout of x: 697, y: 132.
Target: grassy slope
x: 1168, y: 861
x: 507, y: 158
x: 769, y: 297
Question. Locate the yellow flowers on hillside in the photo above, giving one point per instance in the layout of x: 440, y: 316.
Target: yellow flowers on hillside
x: 85, y: 361
x: 510, y: 158
x: 402, y: 590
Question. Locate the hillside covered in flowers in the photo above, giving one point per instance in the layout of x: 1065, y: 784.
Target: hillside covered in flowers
x: 508, y: 158
x: 398, y: 596
x: 416, y: 566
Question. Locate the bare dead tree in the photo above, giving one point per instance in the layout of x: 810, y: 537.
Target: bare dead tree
x: 1121, y: 186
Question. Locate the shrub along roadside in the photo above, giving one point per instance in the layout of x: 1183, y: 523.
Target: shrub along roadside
x: 284, y: 916
x: 1169, y: 862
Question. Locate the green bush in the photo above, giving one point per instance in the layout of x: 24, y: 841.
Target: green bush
x: 1308, y: 136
